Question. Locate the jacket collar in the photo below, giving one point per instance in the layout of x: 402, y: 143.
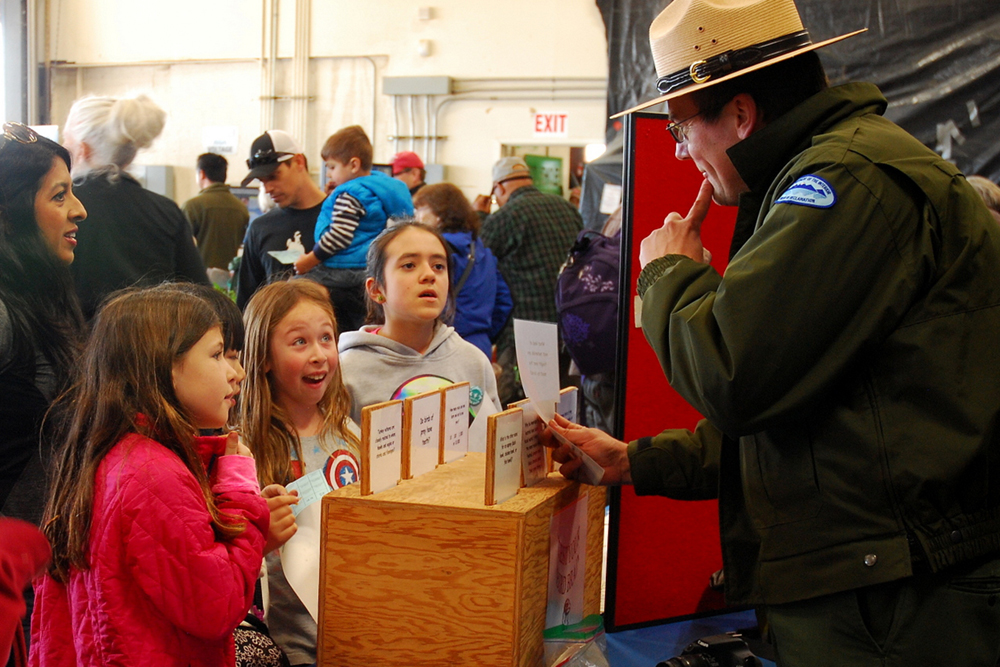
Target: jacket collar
x: 760, y: 157
x: 209, y: 447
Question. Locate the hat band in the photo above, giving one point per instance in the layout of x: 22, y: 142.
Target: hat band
x: 732, y: 61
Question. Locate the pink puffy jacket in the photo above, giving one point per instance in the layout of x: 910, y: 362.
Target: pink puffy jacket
x: 161, y: 588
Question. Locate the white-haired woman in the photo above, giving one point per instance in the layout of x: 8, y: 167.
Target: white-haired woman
x: 136, y: 237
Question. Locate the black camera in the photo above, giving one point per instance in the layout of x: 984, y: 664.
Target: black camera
x: 728, y: 650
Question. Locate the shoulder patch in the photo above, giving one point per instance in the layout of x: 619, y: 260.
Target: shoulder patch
x: 810, y: 191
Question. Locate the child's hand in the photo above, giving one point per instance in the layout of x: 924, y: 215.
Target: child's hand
x: 306, y: 263
x: 282, y: 526
x: 234, y: 446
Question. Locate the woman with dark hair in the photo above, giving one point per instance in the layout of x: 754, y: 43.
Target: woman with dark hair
x: 40, y: 322
x: 482, y: 298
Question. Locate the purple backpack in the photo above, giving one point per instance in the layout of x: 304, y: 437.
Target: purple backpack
x: 587, y: 301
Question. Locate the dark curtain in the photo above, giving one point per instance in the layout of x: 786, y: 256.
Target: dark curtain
x: 936, y: 61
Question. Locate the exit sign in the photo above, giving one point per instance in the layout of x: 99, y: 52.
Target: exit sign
x: 551, y: 124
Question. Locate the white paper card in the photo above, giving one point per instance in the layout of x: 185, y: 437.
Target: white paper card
x: 611, y: 198
x: 386, y: 446
x: 507, y: 457
x: 300, y: 557
x: 533, y: 464
x: 567, y: 403
x: 293, y: 250
x: 537, y: 345
x: 455, y: 421
x: 477, y: 431
x: 424, y: 434
x: 567, y: 564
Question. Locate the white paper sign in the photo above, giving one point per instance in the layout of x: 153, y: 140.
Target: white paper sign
x: 533, y: 465
x: 221, y: 139
x: 386, y: 443
x: 567, y: 564
x: 455, y: 421
x: 506, y: 451
x: 425, y: 418
x: 537, y: 345
x: 611, y: 198
x: 300, y: 557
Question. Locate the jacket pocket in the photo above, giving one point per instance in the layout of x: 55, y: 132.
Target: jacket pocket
x: 780, y: 476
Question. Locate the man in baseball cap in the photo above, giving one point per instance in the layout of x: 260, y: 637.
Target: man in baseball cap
x: 278, y: 163
x: 530, y: 235
x: 845, y: 361
x: 409, y: 168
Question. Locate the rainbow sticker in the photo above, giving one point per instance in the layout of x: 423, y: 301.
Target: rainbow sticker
x: 424, y: 383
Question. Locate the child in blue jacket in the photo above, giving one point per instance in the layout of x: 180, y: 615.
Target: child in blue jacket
x: 355, y: 213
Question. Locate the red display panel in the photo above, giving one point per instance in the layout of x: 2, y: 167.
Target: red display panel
x: 661, y: 552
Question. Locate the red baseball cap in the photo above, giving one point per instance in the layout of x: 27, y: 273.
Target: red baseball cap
x: 406, y: 160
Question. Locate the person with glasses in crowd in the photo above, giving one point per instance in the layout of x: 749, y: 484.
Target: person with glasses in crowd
x: 278, y: 162
x: 40, y: 320
x: 135, y: 236
x: 845, y: 363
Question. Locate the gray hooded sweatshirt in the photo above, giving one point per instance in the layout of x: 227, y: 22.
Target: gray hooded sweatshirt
x: 378, y: 369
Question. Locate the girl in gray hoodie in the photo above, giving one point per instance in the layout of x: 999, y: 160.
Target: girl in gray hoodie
x: 408, y: 349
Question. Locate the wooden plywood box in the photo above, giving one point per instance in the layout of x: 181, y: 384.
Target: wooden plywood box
x: 426, y: 574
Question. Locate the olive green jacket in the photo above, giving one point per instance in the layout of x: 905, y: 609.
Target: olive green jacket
x: 219, y: 220
x: 847, y: 362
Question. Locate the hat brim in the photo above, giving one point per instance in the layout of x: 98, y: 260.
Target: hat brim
x: 699, y: 86
x: 262, y: 170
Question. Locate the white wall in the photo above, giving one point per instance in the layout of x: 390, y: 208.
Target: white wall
x: 200, y: 59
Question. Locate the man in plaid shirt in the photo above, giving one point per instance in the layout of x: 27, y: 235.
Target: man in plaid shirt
x: 531, y: 236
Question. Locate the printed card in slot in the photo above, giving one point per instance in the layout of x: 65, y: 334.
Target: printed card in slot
x: 534, y: 462
x: 503, y: 455
x: 567, y: 406
x: 421, y: 433
x: 550, y: 464
x: 381, y: 446
x: 454, y: 422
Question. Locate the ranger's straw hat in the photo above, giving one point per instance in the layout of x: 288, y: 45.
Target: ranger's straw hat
x: 699, y: 43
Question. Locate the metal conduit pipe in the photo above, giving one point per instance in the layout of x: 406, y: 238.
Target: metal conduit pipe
x: 494, y: 98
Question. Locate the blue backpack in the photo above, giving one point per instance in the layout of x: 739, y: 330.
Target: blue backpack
x: 587, y: 301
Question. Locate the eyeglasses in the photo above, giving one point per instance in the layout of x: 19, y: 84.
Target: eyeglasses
x: 678, y: 130
x: 22, y: 134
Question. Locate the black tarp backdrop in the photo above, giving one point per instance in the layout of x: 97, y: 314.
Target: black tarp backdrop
x: 936, y: 61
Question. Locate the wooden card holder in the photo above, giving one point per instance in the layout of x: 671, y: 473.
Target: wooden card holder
x: 425, y: 575
x: 535, y: 457
x: 381, y: 446
x: 504, y: 435
x: 454, y: 422
x: 421, y: 433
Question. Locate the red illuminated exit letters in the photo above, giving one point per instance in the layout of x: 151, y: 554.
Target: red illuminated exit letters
x: 551, y: 124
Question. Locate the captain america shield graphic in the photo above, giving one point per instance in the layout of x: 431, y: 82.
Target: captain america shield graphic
x: 341, y: 469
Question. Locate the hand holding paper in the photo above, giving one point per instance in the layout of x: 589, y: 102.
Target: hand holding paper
x: 282, y: 525
x: 607, y: 454
x: 537, y: 347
